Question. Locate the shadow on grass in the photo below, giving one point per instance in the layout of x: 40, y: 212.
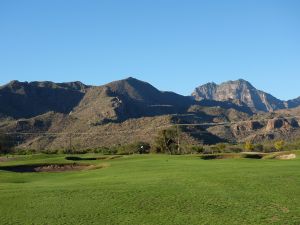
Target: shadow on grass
x: 77, y: 158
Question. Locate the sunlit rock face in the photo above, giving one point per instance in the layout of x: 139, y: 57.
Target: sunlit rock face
x: 239, y: 92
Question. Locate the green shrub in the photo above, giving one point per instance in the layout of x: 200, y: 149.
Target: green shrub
x: 234, y: 149
x: 134, y: 148
x: 23, y: 151
x: 258, y: 148
x: 197, y: 149
x: 221, y: 146
x: 103, y: 150
x: 50, y: 151
x: 249, y: 146
x: 279, y: 145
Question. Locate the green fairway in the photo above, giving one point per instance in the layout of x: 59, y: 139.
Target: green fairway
x: 153, y: 189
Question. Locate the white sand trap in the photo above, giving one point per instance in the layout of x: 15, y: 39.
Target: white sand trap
x: 285, y: 157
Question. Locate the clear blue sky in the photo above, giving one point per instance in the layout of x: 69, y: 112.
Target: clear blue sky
x: 173, y: 44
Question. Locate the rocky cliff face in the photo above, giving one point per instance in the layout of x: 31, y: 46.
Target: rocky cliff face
x: 240, y: 91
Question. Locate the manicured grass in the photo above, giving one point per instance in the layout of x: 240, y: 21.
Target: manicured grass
x: 153, y: 189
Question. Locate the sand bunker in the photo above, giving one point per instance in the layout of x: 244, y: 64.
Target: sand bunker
x: 49, y: 168
x: 286, y: 157
x: 232, y: 156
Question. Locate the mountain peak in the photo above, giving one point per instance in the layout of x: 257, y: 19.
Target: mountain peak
x: 131, y: 78
x: 239, y: 90
x: 238, y: 82
x: 211, y: 84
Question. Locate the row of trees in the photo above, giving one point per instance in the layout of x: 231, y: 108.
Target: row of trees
x: 276, y: 146
x: 168, y: 141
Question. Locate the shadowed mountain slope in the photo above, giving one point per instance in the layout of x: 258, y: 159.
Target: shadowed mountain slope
x: 293, y: 103
x: 129, y: 98
x: 25, y: 100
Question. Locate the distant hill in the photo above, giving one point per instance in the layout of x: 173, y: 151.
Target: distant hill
x: 25, y: 100
x: 241, y: 91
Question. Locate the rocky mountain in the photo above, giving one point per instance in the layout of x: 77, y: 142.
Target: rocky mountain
x: 115, y: 101
x: 47, y: 115
x: 282, y: 124
x: 242, y: 92
x: 293, y: 103
x: 128, y: 98
x: 25, y: 100
x: 118, y: 112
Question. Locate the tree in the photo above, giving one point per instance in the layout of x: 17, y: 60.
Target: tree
x: 249, y: 146
x: 167, y: 141
x: 279, y: 145
x: 6, y: 144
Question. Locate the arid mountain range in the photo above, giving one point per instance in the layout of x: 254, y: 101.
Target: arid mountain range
x: 241, y: 91
x: 47, y: 115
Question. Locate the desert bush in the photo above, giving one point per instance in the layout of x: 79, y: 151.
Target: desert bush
x: 143, y: 147
x: 194, y: 149
x: 110, y: 151
x: 269, y: 148
x: 23, y: 151
x: 67, y: 151
x: 279, y: 145
x: 234, y: 149
x: 134, y: 148
x: 221, y: 147
x: 212, y: 149
x: 73, y: 151
x: 292, y: 145
x: 259, y: 147
x: 104, y: 150
x: 50, y: 151
x: 249, y: 146
x: 215, y: 149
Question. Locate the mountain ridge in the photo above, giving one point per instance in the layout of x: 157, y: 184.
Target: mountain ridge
x: 43, y: 114
x: 243, y: 91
